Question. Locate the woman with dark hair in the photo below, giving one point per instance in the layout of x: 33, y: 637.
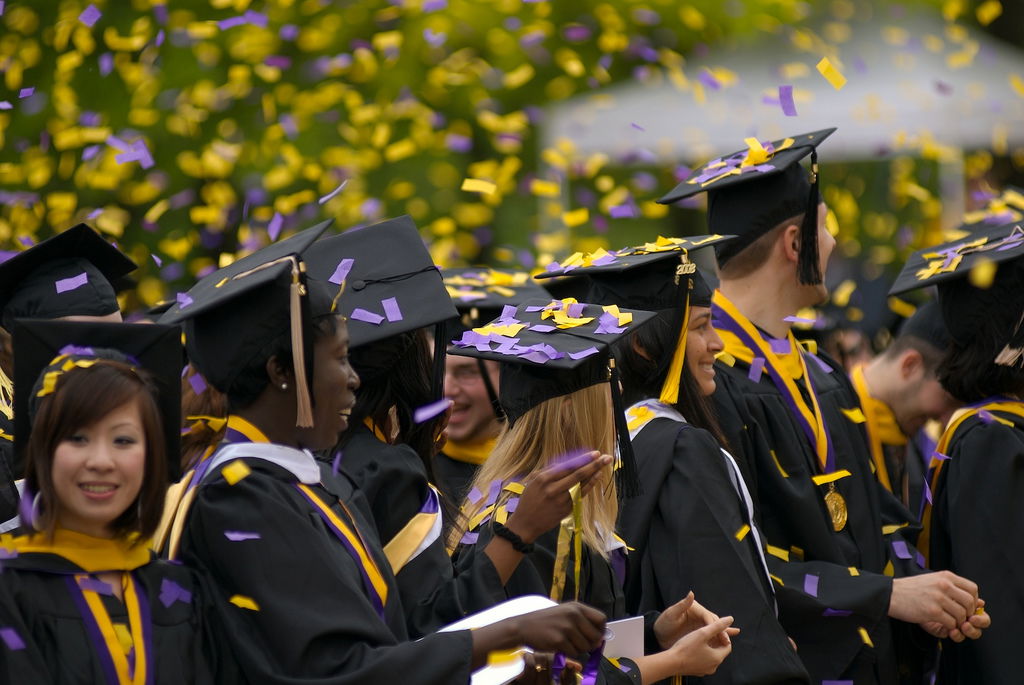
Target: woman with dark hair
x: 976, y: 517
x: 303, y: 585
x: 83, y: 599
x: 692, y: 526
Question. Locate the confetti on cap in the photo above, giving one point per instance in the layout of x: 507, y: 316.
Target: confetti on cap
x: 341, y: 273
x: 360, y: 314
x: 786, y: 101
x: 831, y: 74
x: 429, y: 411
x: 235, y: 471
x: 243, y: 602
x: 391, y: 309
x: 240, y: 535
x: 64, y: 285
x: 90, y: 15
x: 10, y: 635
x: 477, y: 185
x: 811, y: 584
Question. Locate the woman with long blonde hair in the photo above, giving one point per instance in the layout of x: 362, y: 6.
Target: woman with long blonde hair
x: 562, y: 410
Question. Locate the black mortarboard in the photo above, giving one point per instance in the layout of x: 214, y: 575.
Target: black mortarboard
x: 927, y: 324
x: 655, y: 276
x: 1005, y: 208
x: 389, y: 284
x: 235, y: 314
x: 553, y: 348
x: 753, y: 190
x: 70, y: 274
x: 980, y: 280
x: 38, y: 344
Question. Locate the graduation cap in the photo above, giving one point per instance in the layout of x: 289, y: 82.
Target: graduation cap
x: 980, y: 279
x: 552, y: 348
x: 753, y: 190
x: 479, y: 294
x: 236, y: 313
x: 927, y: 324
x: 44, y: 350
x: 389, y: 284
x: 71, y: 274
x: 654, y: 276
x: 1005, y: 208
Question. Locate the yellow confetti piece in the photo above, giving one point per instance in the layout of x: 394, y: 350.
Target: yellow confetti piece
x: 543, y: 188
x: 235, y: 471
x: 988, y: 11
x: 841, y: 295
x: 742, y: 532
x: 726, y: 359
x: 778, y: 552
x: 901, y: 307
x: 243, y: 602
x: 865, y: 637
x: 501, y: 657
x: 831, y: 74
x: 855, y: 415
x: 982, y: 273
x: 778, y: 581
x: 576, y: 217
x: 778, y: 465
x: 827, y: 478
x: 891, y: 528
x: 477, y: 185
x: 853, y: 571
x: 797, y: 552
x: 1017, y: 83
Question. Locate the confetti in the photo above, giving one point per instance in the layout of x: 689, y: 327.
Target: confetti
x: 391, y: 310
x: 811, y: 584
x: 583, y: 353
x: 742, y: 532
x: 576, y: 217
x: 988, y: 11
x: 900, y: 548
x: 198, y: 383
x: 476, y: 185
x: 10, y: 635
x: 429, y: 411
x: 865, y: 637
x: 64, y: 285
x: 274, y: 227
x: 336, y: 463
x: 756, y: 369
x: 171, y: 592
x: 341, y: 271
x: 831, y: 74
x: 360, y: 314
x: 89, y: 16
x: 25, y: 92
x: 96, y: 585
x: 240, y: 535
x: 243, y: 602
x: 235, y: 471
x: 328, y: 196
x: 786, y: 101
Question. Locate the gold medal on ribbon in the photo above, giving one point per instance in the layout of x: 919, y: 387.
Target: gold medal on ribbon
x: 836, y: 507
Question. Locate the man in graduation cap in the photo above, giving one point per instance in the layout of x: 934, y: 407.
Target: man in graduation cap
x: 480, y: 295
x: 70, y: 276
x: 900, y: 394
x: 792, y: 416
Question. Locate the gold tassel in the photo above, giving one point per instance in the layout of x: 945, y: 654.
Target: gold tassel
x: 670, y: 389
x: 6, y: 396
x: 303, y: 402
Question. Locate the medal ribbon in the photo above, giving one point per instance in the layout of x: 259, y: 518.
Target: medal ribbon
x: 992, y: 404
x: 811, y: 421
x: 373, y: 581
x: 118, y: 667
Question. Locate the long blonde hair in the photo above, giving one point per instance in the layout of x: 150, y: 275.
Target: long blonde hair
x: 552, y: 429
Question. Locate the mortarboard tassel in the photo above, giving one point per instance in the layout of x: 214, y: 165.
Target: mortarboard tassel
x: 304, y: 403
x: 1013, y: 353
x: 627, y: 480
x: 808, y: 267
x: 492, y: 394
x: 670, y: 388
x: 440, y: 351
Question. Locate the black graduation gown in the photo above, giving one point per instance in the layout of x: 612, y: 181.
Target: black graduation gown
x: 394, y: 483
x: 682, y: 528
x: 977, y: 523
x: 187, y: 643
x: 8, y: 490
x: 778, y: 462
x: 453, y: 478
x: 599, y: 587
x: 315, y: 621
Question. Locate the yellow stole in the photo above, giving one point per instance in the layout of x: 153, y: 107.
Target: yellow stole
x: 470, y: 452
x: 880, y: 424
x: 1013, y: 407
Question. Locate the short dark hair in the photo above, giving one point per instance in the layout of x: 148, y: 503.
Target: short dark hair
x: 643, y: 376
x: 969, y: 372
x: 253, y: 378
x: 753, y: 256
x: 81, y: 398
x: 930, y: 354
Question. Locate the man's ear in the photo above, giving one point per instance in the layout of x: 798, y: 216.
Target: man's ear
x: 790, y: 241
x: 911, y: 364
x: 278, y: 373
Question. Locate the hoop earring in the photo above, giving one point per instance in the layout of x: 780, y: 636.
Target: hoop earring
x: 35, y: 512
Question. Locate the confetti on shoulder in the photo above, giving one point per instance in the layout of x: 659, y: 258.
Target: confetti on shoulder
x: 243, y: 602
x: 240, y: 535
x: 429, y: 411
x: 235, y: 471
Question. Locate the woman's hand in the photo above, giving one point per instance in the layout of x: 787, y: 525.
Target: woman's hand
x: 571, y: 628
x: 698, y: 653
x: 545, y: 500
x: 680, y: 619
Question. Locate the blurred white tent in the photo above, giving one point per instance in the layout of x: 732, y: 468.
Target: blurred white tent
x: 909, y: 79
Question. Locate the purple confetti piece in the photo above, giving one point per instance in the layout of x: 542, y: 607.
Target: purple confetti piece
x: 470, y: 538
x: 2, y: 8
x: 583, y: 353
x: 334, y: 192
x: 79, y: 351
x: 96, y: 585
x: 621, y: 212
x: 940, y: 456
x: 64, y: 285
x: 822, y: 364
x: 429, y: 411
x: 799, y: 319
x: 183, y: 300
x: 756, y: 369
x: 709, y: 80
x: 106, y: 63
x: 836, y: 613
x: 159, y: 38
x: 435, y: 38
x: 779, y: 346
x: 25, y: 92
x: 391, y: 309
x: 637, y: 126
x: 336, y: 463
x: 900, y: 548
x: 274, y: 227
x: 475, y: 495
x: 919, y: 559
x: 943, y: 88
x: 231, y: 22
x: 171, y: 592
x: 360, y: 314
x: 9, y: 635
x: 511, y: 505
x: 240, y: 535
x: 6, y: 105
x: 542, y: 328
x: 256, y: 18
x: 811, y: 584
x: 198, y: 383
x: 279, y: 61
x: 341, y: 271
x: 927, y: 491
x: 508, y: 311
x: 159, y: 262
x: 90, y: 15
x: 26, y: 241
x: 786, y: 101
